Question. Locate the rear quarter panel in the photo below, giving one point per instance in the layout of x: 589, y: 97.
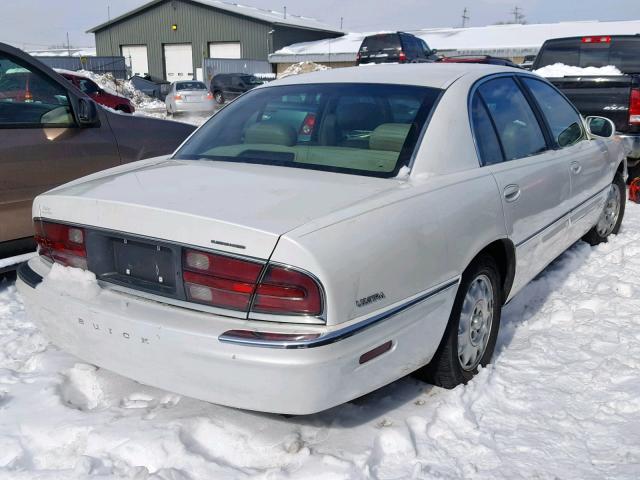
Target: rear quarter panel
x: 420, y: 235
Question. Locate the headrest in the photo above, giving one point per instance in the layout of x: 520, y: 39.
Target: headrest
x: 271, y: 133
x: 389, y: 137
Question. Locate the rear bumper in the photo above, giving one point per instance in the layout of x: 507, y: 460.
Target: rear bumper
x: 180, y: 350
x: 632, y: 143
x: 208, y: 106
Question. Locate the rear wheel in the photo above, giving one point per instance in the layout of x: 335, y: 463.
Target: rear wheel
x: 612, y: 214
x: 219, y: 97
x: 471, y: 334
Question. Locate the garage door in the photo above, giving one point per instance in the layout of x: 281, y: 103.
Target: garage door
x: 178, y: 62
x: 225, y: 50
x: 136, y: 59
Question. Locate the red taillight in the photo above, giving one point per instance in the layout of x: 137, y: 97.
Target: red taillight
x: 287, y: 291
x: 219, y: 281
x: 64, y: 244
x: 402, y: 57
x: 209, y: 96
x: 358, y: 56
x: 233, y: 283
x: 634, y: 107
x: 308, y: 124
x: 177, y: 97
x: 597, y: 39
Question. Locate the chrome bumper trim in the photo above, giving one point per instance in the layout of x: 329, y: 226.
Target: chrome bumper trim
x: 342, y: 333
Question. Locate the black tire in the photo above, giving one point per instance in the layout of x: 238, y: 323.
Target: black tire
x: 219, y: 97
x: 593, y: 237
x: 445, y: 369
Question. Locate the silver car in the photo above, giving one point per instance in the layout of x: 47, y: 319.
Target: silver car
x: 189, y: 96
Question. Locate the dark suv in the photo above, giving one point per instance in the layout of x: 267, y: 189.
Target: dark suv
x: 225, y: 86
x: 396, y: 47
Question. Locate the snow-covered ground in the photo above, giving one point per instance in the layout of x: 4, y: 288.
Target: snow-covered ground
x: 561, y: 401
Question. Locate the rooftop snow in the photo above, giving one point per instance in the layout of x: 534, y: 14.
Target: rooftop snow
x: 269, y: 16
x: 509, y: 40
x: 64, y: 52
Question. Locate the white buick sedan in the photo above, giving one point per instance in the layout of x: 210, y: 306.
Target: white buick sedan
x: 325, y: 235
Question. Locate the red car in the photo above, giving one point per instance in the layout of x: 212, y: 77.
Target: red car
x: 486, y: 59
x: 98, y: 94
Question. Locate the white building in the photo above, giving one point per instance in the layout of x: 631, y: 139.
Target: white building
x: 510, y: 41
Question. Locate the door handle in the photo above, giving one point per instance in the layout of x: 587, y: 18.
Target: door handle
x: 511, y: 193
x: 576, y: 168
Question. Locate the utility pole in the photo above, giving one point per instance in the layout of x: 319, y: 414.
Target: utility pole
x: 110, y: 29
x: 285, y: 12
x: 465, y: 17
x: 341, y: 22
x: 518, y: 16
x: 68, y: 45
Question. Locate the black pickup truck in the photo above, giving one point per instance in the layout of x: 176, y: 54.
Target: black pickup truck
x: 616, y: 97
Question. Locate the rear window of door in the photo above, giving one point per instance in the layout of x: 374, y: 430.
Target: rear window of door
x: 517, y: 126
x: 411, y: 46
x: 565, y: 123
x: 484, y: 133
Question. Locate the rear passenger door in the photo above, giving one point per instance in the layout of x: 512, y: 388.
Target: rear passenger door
x: 588, y: 159
x: 532, y: 178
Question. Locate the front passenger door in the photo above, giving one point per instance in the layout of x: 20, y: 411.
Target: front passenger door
x: 533, y: 180
x: 588, y: 159
x: 41, y: 144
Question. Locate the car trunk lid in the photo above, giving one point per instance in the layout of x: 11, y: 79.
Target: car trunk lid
x: 232, y: 207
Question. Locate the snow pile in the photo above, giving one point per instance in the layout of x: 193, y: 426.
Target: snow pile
x: 64, y: 52
x: 303, y: 67
x: 123, y: 88
x: 62, y: 279
x: 558, y: 70
x: 562, y: 400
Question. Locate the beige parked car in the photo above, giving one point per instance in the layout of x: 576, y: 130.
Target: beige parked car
x: 51, y: 133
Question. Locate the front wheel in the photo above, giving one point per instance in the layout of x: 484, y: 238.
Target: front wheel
x: 471, y: 334
x: 219, y: 97
x: 612, y: 214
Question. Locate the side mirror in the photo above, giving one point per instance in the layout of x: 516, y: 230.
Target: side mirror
x: 87, y: 113
x: 601, y: 127
x: 434, y: 51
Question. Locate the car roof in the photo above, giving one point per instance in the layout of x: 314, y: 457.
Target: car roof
x: 435, y: 75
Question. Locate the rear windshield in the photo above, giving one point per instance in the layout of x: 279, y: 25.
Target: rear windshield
x: 381, y: 43
x: 621, y: 52
x: 190, y: 86
x: 365, y: 129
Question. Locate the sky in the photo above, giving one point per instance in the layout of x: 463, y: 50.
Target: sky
x: 33, y: 24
